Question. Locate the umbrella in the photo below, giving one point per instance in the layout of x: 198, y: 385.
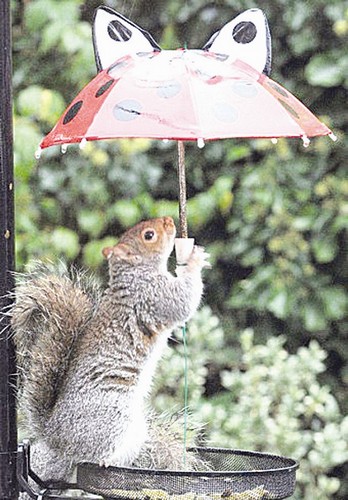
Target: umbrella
x: 220, y: 91
x: 186, y: 95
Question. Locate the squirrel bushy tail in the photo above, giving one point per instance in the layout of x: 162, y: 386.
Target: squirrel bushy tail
x: 164, y: 447
x: 53, y: 306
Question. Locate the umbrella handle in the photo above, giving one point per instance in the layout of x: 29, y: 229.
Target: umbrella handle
x: 183, y: 249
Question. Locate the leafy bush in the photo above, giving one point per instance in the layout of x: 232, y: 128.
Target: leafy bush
x: 268, y: 400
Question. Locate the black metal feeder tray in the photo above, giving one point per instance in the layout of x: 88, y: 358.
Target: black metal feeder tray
x: 231, y: 475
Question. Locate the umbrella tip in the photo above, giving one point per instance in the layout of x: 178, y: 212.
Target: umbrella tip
x: 63, y: 148
x: 333, y: 137
x: 200, y: 143
x: 306, y: 141
x: 38, y: 153
x: 83, y: 143
x: 274, y: 141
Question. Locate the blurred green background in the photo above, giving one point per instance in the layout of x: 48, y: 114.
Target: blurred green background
x: 268, y: 352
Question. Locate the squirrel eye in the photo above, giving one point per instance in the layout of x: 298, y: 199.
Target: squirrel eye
x: 149, y: 235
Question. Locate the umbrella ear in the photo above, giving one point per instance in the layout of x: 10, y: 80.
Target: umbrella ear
x: 246, y: 37
x: 115, y: 36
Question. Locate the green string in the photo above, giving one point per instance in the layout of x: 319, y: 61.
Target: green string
x: 185, y: 392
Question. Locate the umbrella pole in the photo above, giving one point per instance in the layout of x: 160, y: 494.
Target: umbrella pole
x: 182, y: 190
x: 183, y: 244
x: 8, y: 426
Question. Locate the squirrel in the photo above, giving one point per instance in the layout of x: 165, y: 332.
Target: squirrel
x: 87, y: 358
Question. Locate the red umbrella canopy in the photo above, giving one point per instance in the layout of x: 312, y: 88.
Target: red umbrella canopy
x: 218, y: 92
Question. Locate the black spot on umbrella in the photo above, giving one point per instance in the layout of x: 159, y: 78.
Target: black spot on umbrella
x: 279, y: 89
x: 104, y: 88
x: 244, y: 32
x: 113, y: 70
x: 118, y: 32
x: 245, y: 89
x: 168, y: 89
x: 224, y: 112
x: 127, y: 110
x: 289, y: 109
x: 72, y: 112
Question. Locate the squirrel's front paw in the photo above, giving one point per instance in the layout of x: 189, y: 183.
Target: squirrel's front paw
x: 198, y: 258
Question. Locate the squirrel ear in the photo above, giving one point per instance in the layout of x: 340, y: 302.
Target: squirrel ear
x: 107, y: 252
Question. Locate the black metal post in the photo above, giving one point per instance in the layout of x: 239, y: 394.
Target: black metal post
x: 8, y: 423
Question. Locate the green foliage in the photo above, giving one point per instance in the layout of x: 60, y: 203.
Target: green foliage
x: 286, y: 231
x: 273, y: 217
x: 40, y: 104
x: 267, y: 400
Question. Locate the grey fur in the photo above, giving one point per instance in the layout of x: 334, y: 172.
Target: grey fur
x: 87, y: 359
